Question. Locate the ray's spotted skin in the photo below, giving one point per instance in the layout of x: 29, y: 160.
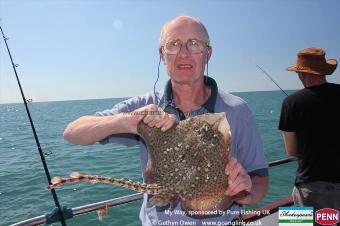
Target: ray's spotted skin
x: 186, y: 163
x: 189, y: 162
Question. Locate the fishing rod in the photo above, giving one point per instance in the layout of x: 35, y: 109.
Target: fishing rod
x: 254, y: 62
x: 41, y: 153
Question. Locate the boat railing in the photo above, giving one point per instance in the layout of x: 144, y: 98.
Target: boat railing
x: 53, y: 217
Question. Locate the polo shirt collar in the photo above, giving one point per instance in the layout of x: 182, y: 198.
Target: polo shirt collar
x: 209, y: 104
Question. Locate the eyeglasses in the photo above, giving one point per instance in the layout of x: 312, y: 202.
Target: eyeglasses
x: 194, y: 46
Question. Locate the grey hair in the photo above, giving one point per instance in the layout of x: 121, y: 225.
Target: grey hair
x: 194, y: 19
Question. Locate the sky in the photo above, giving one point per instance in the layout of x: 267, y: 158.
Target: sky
x: 70, y: 50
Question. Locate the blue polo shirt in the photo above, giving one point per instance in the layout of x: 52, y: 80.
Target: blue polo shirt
x: 246, y: 146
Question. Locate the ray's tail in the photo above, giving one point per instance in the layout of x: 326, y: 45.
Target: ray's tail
x: 152, y: 189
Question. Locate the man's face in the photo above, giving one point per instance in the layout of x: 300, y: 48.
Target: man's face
x: 185, y: 67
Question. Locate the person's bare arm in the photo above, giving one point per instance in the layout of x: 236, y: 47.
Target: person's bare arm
x: 90, y: 129
x: 290, y: 143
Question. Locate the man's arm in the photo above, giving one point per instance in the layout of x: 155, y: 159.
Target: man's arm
x: 290, y: 143
x: 90, y: 129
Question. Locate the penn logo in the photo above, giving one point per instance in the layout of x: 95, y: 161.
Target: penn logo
x: 327, y: 216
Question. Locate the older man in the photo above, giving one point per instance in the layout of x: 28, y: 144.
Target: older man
x: 184, y: 49
x: 309, y: 119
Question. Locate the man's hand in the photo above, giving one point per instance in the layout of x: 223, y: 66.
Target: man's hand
x: 153, y: 116
x: 243, y: 188
x: 238, y: 179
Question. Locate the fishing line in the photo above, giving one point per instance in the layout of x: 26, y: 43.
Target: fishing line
x: 154, y: 85
x: 41, y: 153
x: 207, y: 75
x: 254, y: 62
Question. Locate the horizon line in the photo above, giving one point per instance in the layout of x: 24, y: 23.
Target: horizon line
x: 103, y: 98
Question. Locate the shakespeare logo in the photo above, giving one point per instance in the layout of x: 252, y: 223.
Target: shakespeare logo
x: 327, y: 216
x: 295, y: 215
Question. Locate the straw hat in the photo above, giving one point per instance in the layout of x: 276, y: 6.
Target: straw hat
x: 312, y: 60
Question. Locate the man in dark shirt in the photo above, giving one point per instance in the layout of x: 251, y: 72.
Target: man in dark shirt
x: 310, y: 121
